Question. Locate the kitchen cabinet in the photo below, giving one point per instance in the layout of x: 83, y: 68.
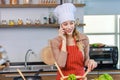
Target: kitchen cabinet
x: 34, y: 6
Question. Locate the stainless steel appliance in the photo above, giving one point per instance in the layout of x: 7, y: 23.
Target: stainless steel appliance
x: 106, y: 56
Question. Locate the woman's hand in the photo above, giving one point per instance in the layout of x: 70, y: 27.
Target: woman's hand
x: 62, y: 33
x: 91, y: 64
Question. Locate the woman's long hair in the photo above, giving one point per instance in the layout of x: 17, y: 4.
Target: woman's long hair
x: 76, y: 36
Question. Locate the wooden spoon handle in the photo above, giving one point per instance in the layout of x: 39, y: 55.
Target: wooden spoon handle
x: 59, y: 70
x: 86, y: 73
x: 21, y: 74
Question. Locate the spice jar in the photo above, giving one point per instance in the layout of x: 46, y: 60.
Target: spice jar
x: 28, y: 21
x: 37, y: 21
x: 11, y: 22
x: 14, y: 1
x: 77, y: 21
x: 20, y: 22
x: 4, y: 22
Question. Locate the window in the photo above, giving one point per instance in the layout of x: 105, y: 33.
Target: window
x: 99, y: 24
x: 100, y: 29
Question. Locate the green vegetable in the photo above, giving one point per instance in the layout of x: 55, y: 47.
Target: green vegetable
x: 72, y: 77
x: 95, y: 45
x: 105, y: 77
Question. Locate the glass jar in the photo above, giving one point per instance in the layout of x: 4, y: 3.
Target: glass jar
x: 14, y: 1
x: 45, y: 20
x: 4, y: 22
x: 11, y: 22
x: 27, y: 1
x: 20, y: 22
x: 28, y: 21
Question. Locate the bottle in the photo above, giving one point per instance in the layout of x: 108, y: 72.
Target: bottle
x: 51, y: 18
x: 27, y: 1
x: 14, y: 2
x: 77, y: 21
x: 45, y: 20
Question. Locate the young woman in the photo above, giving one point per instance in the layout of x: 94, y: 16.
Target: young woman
x: 70, y: 48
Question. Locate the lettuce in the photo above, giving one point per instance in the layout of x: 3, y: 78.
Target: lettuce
x: 105, y: 77
x: 72, y: 77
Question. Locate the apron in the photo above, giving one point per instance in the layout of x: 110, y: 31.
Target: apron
x: 74, y: 64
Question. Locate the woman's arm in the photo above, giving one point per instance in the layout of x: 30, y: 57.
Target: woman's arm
x: 59, y: 54
x: 90, y: 63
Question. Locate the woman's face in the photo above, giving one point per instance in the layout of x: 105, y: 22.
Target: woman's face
x: 68, y: 27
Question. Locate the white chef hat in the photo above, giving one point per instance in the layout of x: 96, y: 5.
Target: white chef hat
x: 65, y: 12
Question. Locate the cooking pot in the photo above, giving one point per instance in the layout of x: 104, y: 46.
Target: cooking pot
x: 29, y: 78
x: 35, y: 77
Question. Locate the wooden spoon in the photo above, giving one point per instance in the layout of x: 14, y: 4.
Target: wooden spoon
x: 21, y: 74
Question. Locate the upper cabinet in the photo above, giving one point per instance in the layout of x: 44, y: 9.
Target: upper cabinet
x: 11, y: 23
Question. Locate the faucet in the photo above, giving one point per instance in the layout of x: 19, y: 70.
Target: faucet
x: 29, y: 51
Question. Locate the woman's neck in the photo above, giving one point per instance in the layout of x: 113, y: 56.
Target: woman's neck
x: 70, y: 40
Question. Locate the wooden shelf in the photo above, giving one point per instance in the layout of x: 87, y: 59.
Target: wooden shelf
x: 35, y: 26
x: 29, y: 6
x: 35, y: 5
x: 28, y: 26
x: 79, y: 5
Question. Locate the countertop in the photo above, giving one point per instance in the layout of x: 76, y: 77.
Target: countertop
x: 36, y: 66
x: 32, y: 67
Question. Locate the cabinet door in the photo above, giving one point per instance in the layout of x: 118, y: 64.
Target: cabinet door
x: 49, y: 78
x: 92, y: 76
x: 115, y: 76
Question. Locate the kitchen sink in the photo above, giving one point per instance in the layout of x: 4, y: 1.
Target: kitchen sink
x: 30, y: 68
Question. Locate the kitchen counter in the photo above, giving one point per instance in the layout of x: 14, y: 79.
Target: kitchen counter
x: 51, y: 75
x: 46, y: 71
x: 36, y: 66
x: 50, y: 71
x: 32, y: 67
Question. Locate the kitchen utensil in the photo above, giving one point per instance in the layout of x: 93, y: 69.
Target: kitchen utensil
x: 35, y: 77
x: 3, y: 55
x: 2, y: 66
x: 36, y: 74
x: 47, y: 55
x: 48, y: 58
x: 59, y: 69
x: 21, y: 74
